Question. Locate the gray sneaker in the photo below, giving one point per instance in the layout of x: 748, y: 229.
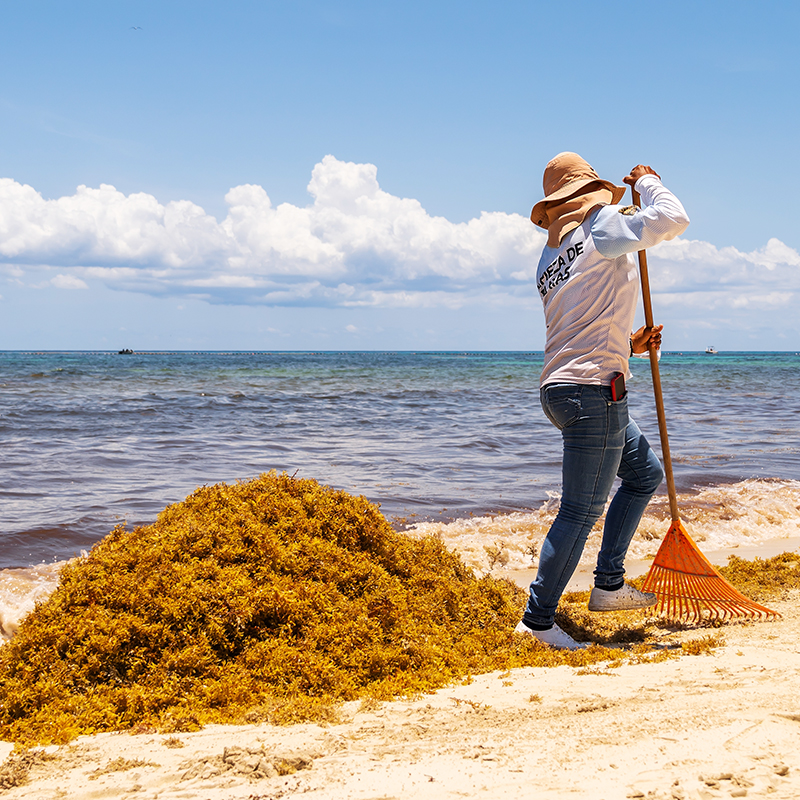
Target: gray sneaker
x: 554, y: 637
x: 624, y: 599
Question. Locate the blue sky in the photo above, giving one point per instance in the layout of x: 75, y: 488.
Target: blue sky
x: 358, y: 175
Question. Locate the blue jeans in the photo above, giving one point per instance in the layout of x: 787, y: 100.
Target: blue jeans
x: 600, y: 443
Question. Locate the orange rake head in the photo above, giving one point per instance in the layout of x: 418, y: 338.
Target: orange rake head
x: 688, y: 586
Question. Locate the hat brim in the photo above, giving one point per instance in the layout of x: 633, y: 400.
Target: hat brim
x: 539, y: 212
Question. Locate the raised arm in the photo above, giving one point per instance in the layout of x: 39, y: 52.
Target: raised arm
x: 619, y: 230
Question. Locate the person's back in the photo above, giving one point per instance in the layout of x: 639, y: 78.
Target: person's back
x: 588, y: 284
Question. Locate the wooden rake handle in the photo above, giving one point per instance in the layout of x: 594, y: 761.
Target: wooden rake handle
x: 662, y: 418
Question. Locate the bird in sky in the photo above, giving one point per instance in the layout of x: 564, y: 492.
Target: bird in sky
x: 135, y: 28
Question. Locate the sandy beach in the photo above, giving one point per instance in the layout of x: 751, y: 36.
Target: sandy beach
x: 723, y: 724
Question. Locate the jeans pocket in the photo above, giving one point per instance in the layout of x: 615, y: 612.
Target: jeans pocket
x: 562, y: 404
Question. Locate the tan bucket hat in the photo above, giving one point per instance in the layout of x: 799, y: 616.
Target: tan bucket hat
x: 565, y: 176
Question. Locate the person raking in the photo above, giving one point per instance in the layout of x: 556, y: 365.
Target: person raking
x: 588, y: 281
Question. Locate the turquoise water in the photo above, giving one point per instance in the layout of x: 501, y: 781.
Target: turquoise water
x: 93, y: 439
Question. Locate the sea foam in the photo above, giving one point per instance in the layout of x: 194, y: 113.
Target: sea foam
x: 735, y: 515
x: 20, y: 590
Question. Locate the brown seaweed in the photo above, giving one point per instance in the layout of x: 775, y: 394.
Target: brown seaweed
x: 270, y: 600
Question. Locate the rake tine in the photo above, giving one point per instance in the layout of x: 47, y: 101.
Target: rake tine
x: 693, y: 588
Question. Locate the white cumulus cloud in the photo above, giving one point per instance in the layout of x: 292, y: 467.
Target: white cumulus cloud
x: 353, y: 245
x: 698, y: 268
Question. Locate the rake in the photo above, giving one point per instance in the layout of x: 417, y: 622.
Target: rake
x: 686, y: 583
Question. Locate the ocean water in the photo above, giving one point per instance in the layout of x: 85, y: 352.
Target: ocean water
x: 451, y: 443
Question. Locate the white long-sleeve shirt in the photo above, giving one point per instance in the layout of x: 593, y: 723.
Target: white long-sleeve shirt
x: 589, y: 285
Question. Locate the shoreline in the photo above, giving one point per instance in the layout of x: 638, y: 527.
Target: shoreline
x: 23, y: 585
x: 723, y: 724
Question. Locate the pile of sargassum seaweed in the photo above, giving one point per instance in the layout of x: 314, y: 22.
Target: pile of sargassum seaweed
x: 270, y: 600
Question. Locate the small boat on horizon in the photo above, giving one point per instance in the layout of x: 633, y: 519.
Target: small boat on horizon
x: 712, y: 351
